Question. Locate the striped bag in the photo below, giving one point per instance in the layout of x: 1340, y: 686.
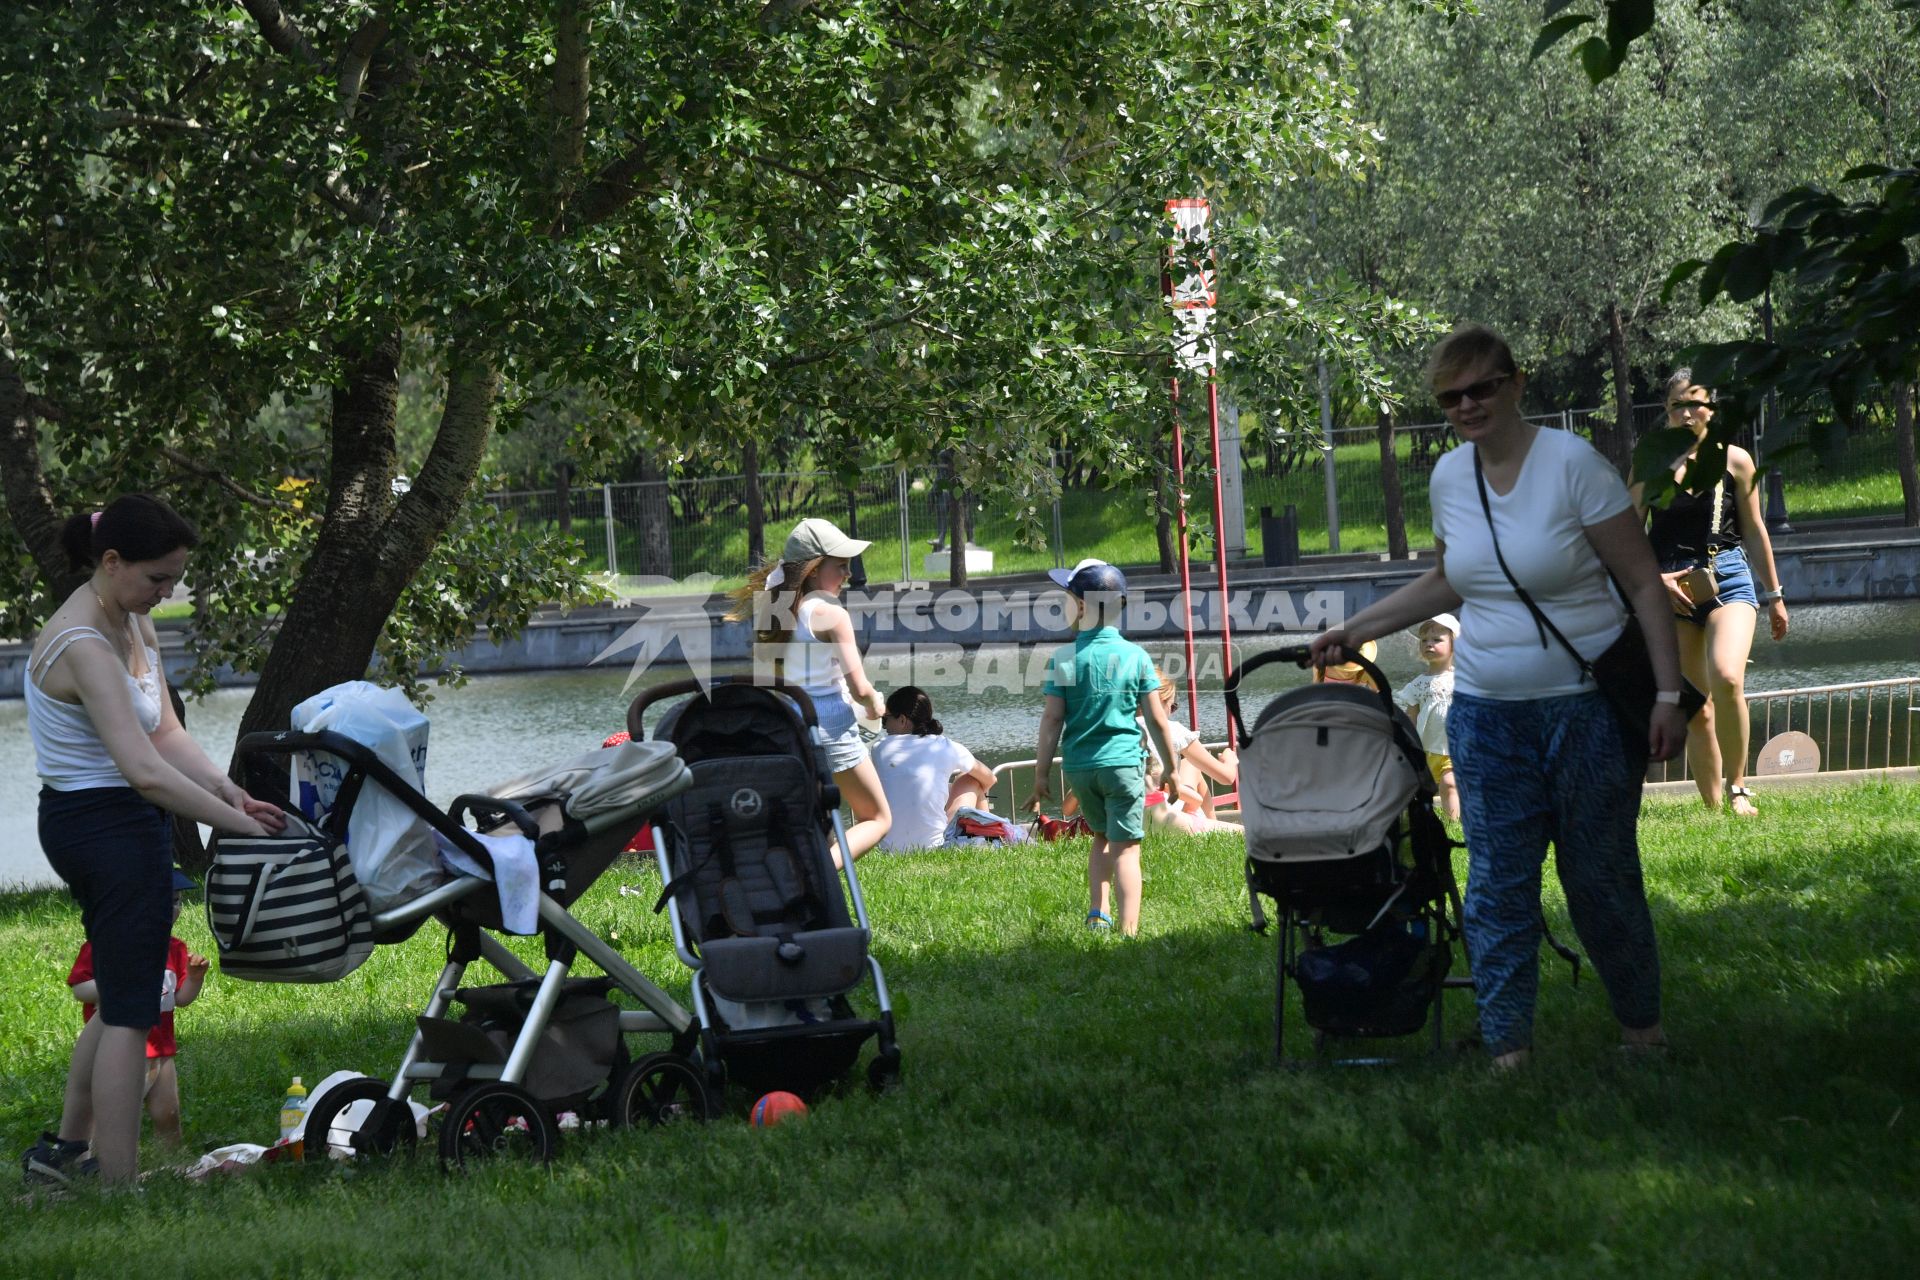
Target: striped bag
x: 286, y: 908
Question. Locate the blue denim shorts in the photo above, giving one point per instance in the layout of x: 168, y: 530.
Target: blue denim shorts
x: 845, y: 750
x: 115, y: 852
x: 1734, y: 575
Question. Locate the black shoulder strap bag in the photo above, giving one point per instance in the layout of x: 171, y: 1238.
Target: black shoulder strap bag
x: 1624, y: 672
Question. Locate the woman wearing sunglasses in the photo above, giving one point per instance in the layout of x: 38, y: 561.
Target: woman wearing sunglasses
x: 1710, y: 545
x: 1536, y: 748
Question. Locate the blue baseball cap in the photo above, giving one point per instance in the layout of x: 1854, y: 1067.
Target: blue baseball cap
x: 1090, y: 578
x: 182, y: 882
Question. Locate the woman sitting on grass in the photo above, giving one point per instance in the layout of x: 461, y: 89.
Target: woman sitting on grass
x: 1189, y: 806
x: 926, y: 775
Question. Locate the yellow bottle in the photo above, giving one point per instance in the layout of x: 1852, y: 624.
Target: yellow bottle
x: 293, y: 1108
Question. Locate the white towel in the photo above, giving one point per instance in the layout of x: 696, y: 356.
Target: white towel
x: 518, y: 878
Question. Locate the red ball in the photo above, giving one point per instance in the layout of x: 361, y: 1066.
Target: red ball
x: 775, y: 1107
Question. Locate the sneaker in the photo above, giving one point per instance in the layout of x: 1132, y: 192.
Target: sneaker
x: 51, y: 1162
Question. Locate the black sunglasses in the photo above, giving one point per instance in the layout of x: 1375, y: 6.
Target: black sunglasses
x: 1687, y: 406
x: 1479, y: 391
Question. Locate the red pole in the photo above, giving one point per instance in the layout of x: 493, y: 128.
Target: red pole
x: 1186, y: 575
x: 1219, y: 532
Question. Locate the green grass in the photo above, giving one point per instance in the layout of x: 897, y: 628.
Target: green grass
x: 1084, y: 1105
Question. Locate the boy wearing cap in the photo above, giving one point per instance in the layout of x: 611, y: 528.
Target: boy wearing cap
x: 1095, y: 688
x: 1426, y: 698
x: 180, y: 985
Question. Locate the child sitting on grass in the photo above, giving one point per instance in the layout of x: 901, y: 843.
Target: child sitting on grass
x: 186, y: 972
x: 1095, y: 686
x: 1426, y: 698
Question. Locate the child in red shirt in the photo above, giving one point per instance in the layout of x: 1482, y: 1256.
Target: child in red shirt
x: 179, y: 987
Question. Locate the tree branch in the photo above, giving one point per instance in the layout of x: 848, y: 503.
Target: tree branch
x: 221, y: 479
x: 355, y: 61
x: 279, y: 31
x: 568, y: 97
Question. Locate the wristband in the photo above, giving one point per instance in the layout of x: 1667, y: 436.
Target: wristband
x: 1669, y: 696
x: 1768, y: 597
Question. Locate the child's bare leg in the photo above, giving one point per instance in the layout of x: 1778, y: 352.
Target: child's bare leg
x: 119, y: 1077
x: 1449, y: 796
x: 1126, y: 882
x: 163, y: 1103
x: 964, y: 791
x: 1099, y: 871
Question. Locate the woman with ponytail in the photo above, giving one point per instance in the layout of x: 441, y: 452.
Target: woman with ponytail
x: 927, y: 776
x: 115, y: 762
x: 792, y: 602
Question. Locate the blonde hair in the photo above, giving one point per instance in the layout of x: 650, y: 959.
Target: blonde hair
x: 1169, y: 691
x: 786, y: 597
x: 1468, y: 345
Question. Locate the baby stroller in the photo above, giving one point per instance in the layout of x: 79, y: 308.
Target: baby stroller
x: 1341, y: 834
x: 539, y: 1045
x: 753, y: 897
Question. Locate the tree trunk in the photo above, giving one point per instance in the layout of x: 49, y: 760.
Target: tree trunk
x: 30, y: 507
x: 1903, y: 439
x: 563, y: 494
x: 756, y: 505
x: 1390, y: 490
x: 656, y: 519
x: 956, y: 529
x: 1616, y: 443
x: 370, y: 544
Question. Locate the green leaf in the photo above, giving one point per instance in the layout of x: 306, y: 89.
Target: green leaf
x: 1557, y: 30
x: 1596, y: 56
x: 1627, y: 21
x: 1748, y: 273
x: 1679, y: 276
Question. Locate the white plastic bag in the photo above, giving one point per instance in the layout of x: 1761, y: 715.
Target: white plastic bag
x: 391, y: 849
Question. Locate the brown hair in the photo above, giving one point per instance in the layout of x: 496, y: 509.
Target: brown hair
x: 137, y: 525
x: 912, y: 704
x: 785, y: 599
x: 1470, y: 344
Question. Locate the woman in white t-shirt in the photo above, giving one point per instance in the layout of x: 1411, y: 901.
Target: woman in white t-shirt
x: 1538, y: 751
x: 925, y: 774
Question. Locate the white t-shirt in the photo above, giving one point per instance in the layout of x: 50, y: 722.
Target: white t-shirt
x: 1429, y: 697
x: 1564, y: 488
x: 1179, y: 738
x: 915, y: 772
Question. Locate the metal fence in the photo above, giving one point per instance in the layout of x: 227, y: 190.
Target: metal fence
x: 684, y: 526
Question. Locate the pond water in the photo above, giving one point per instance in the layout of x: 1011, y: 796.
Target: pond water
x: 499, y: 726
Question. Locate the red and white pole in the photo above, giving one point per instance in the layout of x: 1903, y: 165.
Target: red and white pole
x: 1189, y: 284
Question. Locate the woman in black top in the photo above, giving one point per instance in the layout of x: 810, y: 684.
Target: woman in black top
x: 1721, y: 528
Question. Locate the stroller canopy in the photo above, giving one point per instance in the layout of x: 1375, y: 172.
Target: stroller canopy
x: 1326, y: 775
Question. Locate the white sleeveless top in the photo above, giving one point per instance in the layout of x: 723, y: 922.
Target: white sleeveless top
x: 67, y: 750
x: 812, y: 664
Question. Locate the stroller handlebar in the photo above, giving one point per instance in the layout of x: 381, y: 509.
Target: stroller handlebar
x: 636, y: 712
x: 1301, y: 656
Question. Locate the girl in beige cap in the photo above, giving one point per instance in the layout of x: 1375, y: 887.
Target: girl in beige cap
x: 793, y: 602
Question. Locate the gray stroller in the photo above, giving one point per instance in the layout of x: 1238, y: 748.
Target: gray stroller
x: 754, y: 899
x: 540, y: 1046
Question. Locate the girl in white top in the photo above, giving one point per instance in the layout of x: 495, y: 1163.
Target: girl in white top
x: 1428, y: 697
x: 927, y: 776
x: 112, y: 755
x: 1191, y: 808
x: 806, y: 638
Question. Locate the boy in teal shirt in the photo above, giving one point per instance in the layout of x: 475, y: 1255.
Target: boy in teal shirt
x: 1095, y: 688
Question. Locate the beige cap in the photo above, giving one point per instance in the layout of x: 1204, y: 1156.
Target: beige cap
x: 815, y: 537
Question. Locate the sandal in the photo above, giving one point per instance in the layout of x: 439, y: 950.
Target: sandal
x: 1099, y: 920
x: 1741, y: 793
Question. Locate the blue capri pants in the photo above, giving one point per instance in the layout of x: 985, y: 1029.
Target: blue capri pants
x: 1551, y: 770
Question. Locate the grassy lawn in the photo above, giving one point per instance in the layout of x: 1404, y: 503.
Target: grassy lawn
x: 1079, y: 1104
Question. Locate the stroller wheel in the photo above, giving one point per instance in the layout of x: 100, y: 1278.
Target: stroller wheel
x: 496, y: 1119
x: 329, y: 1132
x: 883, y: 1073
x: 661, y: 1088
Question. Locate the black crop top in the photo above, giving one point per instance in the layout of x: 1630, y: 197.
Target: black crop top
x: 1683, y: 528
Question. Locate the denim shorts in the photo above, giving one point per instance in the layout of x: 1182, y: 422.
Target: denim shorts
x: 1734, y: 575
x: 114, y: 850
x: 845, y: 750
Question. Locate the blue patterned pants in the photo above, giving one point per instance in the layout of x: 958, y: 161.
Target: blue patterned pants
x: 1550, y: 770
